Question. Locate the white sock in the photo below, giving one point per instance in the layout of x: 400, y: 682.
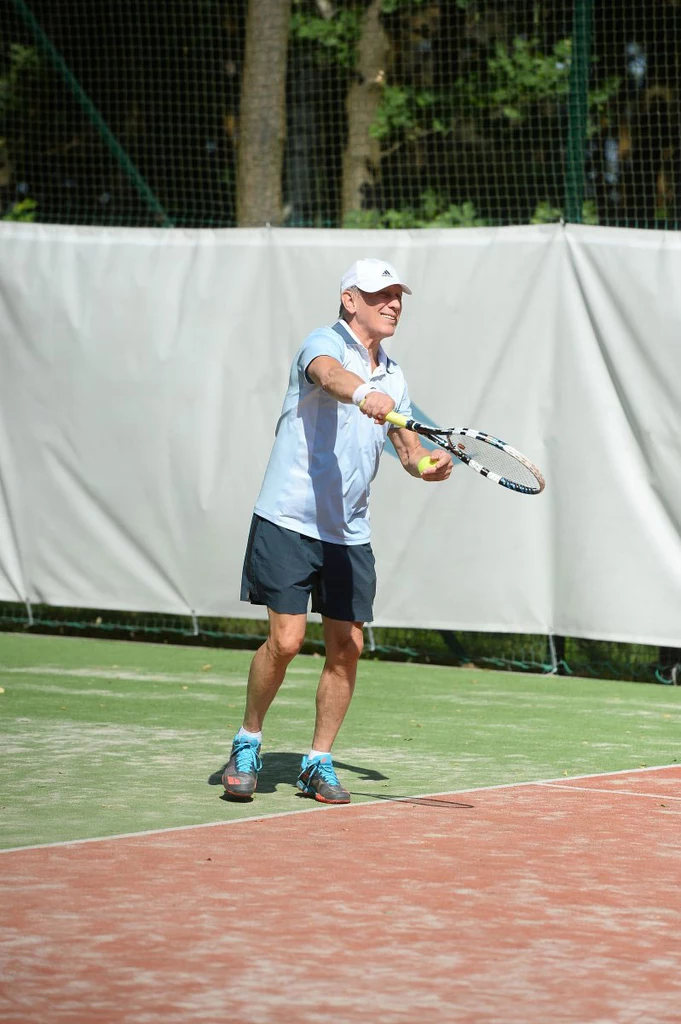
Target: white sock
x: 252, y: 737
x: 316, y: 754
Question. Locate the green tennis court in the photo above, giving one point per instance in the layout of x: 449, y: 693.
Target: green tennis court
x: 103, y: 738
x: 510, y: 852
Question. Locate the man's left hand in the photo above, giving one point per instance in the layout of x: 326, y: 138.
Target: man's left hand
x: 439, y: 470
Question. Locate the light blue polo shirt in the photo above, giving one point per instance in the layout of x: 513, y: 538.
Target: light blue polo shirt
x: 326, y: 453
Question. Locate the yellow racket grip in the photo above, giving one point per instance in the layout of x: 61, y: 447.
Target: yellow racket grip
x: 396, y: 418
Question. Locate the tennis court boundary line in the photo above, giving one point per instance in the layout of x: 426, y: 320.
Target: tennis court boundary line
x: 608, y: 792
x: 345, y: 807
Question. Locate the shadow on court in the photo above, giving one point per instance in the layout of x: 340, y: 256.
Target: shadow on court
x: 419, y: 801
x: 283, y: 767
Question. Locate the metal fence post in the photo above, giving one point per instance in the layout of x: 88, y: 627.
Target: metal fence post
x: 578, y: 110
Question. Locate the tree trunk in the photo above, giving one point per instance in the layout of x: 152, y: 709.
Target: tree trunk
x: 362, y: 157
x: 262, y: 114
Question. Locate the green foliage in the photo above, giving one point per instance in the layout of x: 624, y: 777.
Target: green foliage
x: 24, y: 68
x: 598, y: 103
x: 589, y: 212
x: 403, y: 110
x: 332, y: 41
x: 24, y: 211
x: 520, y: 76
x: 434, y: 211
x: 395, y: 6
x: 16, y: 87
x: 546, y: 213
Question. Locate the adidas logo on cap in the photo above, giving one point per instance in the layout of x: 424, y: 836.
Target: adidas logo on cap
x: 386, y: 273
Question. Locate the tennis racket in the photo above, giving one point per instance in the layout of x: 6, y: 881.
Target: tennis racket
x: 485, y: 454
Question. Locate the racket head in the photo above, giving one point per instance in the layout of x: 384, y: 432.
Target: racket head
x: 493, y: 458
x: 487, y: 455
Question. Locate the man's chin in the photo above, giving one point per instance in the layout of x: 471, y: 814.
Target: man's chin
x: 388, y: 330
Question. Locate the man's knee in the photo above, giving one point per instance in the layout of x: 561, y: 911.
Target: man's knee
x: 284, y: 644
x: 347, y: 646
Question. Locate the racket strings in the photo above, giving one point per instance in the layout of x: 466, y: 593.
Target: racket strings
x: 496, y: 461
x: 487, y: 455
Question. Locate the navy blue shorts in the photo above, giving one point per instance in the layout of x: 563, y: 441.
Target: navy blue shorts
x: 283, y: 569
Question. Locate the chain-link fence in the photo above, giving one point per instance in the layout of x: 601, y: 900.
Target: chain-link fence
x: 364, y: 113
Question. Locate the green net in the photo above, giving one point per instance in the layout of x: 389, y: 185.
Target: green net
x: 515, y: 652
x: 368, y: 113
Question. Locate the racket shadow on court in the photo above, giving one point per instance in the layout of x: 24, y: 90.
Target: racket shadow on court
x: 283, y: 767
x: 419, y: 801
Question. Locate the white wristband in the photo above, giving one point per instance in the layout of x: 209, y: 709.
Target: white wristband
x: 361, y: 392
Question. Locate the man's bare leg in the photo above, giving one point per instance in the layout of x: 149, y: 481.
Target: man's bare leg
x: 344, y: 642
x: 268, y: 668
x: 269, y: 664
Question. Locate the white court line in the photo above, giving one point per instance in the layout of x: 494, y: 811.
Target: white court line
x: 328, y: 808
x: 608, y: 792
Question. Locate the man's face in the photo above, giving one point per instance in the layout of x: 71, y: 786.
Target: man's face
x: 376, y: 313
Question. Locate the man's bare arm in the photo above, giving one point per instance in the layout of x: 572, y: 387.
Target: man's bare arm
x: 341, y: 384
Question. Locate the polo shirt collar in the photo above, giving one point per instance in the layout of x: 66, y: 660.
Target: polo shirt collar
x: 382, y: 358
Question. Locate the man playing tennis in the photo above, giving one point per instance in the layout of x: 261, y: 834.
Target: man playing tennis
x: 310, y: 534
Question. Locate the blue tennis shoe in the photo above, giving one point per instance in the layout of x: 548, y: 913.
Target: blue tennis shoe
x: 240, y: 776
x: 318, y: 780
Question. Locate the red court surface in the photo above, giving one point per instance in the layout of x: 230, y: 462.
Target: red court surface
x: 529, y: 904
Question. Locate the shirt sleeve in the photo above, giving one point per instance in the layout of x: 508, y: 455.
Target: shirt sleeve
x: 320, y: 343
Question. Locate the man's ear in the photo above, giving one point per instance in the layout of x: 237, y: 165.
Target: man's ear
x: 348, y: 301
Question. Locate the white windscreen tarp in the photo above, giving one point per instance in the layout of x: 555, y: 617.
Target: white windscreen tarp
x: 142, y: 374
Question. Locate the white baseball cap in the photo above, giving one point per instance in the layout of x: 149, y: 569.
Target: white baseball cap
x: 371, y: 275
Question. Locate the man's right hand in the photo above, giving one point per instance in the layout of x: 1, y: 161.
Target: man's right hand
x: 376, y: 406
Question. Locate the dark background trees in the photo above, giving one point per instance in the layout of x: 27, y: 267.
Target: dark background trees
x: 390, y: 112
